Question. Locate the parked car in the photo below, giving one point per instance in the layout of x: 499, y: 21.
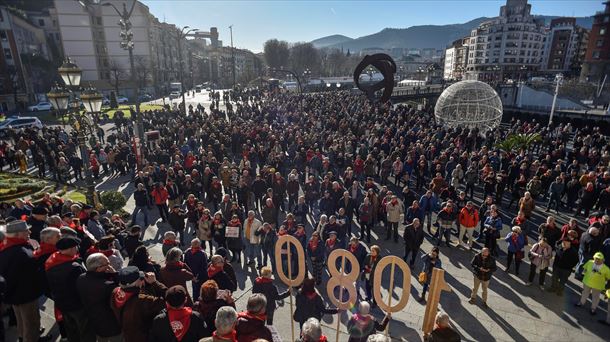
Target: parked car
x: 145, y: 98
x: 19, y: 122
x: 122, y: 100
x: 174, y: 95
x: 40, y: 106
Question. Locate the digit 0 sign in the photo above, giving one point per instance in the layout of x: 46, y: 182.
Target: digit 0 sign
x: 341, y: 279
x: 288, y: 279
x: 394, y: 262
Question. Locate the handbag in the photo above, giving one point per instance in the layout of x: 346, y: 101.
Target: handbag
x: 423, y: 277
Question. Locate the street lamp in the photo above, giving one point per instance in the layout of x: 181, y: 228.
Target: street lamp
x: 558, y: 81
x: 64, y: 100
x: 338, y: 85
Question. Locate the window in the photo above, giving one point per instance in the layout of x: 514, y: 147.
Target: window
x: 602, y: 31
x: 3, y: 36
x: 595, y: 54
x: 1, y: 16
x: 40, y: 22
x: 7, y: 54
x: 599, y: 43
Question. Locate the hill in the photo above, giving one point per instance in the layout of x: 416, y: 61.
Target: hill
x: 335, y: 39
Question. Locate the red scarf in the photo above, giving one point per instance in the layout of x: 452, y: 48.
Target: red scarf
x: 311, y: 295
x: 282, y: 234
x: 330, y: 243
x: 168, y: 242
x: 353, y: 248
x: 249, y: 315
x: 313, y: 246
x: 232, y: 336
x: 322, y: 339
x: 57, y: 259
x: 216, y: 221
x: 10, y: 242
x: 194, y: 250
x: 120, y: 297
x: 45, y: 248
x: 263, y: 280
x: 519, y: 221
x: 179, y: 321
x: 213, y: 270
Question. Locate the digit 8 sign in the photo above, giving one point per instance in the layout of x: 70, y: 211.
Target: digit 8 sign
x: 393, y: 261
x: 287, y: 279
x: 341, y: 279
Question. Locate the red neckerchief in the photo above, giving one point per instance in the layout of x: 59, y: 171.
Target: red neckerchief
x: 515, y: 237
x: 120, y: 297
x: 10, y: 242
x: 234, y: 223
x: 232, y: 336
x: 520, y: 220
x: 353, y: 248
x: 311, y: 295
x: 363, y: 318
x: 331, y: 245
x: 45, y: 248
x: 313, y: 245
x: 323, y: 339
x: 213, y: 270
x: 169, y: 242
x: 263, y: 280
x: 282, y: 234
x: 179, y: 320
x: 249, y: 315
x: 57, y: 259
x: 216, y: 221
x: 178, y: 264
x: 194, y: 250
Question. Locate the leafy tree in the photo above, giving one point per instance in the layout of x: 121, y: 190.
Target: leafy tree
x: 113, y: 200
x: 276, y: 53
x: 304, y: 56
x: 517, y: 142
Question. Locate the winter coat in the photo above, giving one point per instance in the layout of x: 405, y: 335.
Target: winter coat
x: 197, y: 262
x: 160, y: 196
x: 204, y: 230
x: 414, y: 237
x: 413, y: 213
x: 21, y: 272
x: 469, y: 218
x: 62, y: 282
x: 366, y: 213
x: 515, y: 245
x: 552, y: 234
x: 136, y: 313
x: 173, y: 274
x: 95, y: 290
x: 176, y: 220
x: 478, y: 263
x: 162, y: 329
x: 209, y: 309
x: 253, y: 238
x: 250, y: 328
x: 310, y: 305
x: 565, y: 259
x: 361, y: 327
x: 541, y: 256
x: 223, y: 280
x: 394, y: 211
x: 428, y: 204
x: 266, y: 287
x: 596, y: 280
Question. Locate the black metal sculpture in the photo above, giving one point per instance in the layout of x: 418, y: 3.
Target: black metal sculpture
x: 386, y: 65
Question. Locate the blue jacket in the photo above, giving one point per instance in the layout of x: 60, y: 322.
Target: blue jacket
x: 413, y: 214
x: 497, y: 223
x: 428, y: 266
x: 429, y: 204
x: 515, y: 246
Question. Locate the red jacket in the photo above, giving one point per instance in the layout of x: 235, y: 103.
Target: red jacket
x: 160, y: 195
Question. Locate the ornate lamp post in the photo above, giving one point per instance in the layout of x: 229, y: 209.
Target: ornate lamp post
x: 63, y: 98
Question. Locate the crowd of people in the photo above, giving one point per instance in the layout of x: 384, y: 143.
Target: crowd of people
x: 332, y: 170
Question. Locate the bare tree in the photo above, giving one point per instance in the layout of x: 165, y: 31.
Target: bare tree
x: 142, y: 71
x: 118, y: 74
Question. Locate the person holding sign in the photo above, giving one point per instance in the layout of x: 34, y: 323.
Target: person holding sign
x: 233, y: 233
x: 315, y: 251
x: 370, y: 263
x: 310, y: 304
x: 361, y: 325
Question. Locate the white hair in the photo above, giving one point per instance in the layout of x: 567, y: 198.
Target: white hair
x: 226, y: 317
x: 378, y: 338
x: 312, y: 331
x: 95, y: 261
x: 442, y: 319
x: 49, y: 232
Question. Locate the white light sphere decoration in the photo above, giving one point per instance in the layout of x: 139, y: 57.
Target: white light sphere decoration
x: 471, y: 104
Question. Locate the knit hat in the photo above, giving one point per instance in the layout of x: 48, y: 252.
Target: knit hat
x: 598, y: 255
x: 128, y: 275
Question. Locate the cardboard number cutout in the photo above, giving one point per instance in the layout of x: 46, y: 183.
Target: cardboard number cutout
x: 437, y: 284
x: 288, y: 279
x: 338, y: 278
x: 393, y: 262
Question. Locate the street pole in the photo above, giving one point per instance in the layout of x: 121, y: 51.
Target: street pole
x: 558, y: 80
x: 232, y: 55
x: 181, y: 74
x: 82, y: 143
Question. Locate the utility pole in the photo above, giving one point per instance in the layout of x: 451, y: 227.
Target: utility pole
x: 558, y: 80
x: 232, y: 54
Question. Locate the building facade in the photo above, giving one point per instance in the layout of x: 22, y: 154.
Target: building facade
x: 596, y: 67
x: 565, y: 47
x: 510, y: 46
x: 456, y: 59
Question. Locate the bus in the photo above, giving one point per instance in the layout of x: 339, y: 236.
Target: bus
x: 175, y: 86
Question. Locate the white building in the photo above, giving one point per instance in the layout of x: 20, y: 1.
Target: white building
x: 509, y: 46
x: 456, y: 59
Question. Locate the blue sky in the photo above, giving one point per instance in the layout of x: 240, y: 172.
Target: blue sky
x: 256, y: 21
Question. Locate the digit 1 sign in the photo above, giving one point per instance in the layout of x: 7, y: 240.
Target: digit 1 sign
x: 342, y: 280
x: 437, y: 284
x: 393, y: 261
x: 288, y: 280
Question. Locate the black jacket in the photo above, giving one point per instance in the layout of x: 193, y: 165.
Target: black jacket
x: 250, y: 328
x: 413, y: 237
x: 141, y: 198
x: 565, y: 259
x: 62, y: 282
x: 270, y: 291
x: 162, y: 332
x: 478, y: 262
x: 131, y: 243
x: 95, y: 291
x: 176, y: 220
x: 21, y: 273
x: 224, y: 281
x: 308, y: 307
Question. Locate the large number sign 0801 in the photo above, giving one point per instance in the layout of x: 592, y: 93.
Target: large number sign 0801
x: 346, y: 282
